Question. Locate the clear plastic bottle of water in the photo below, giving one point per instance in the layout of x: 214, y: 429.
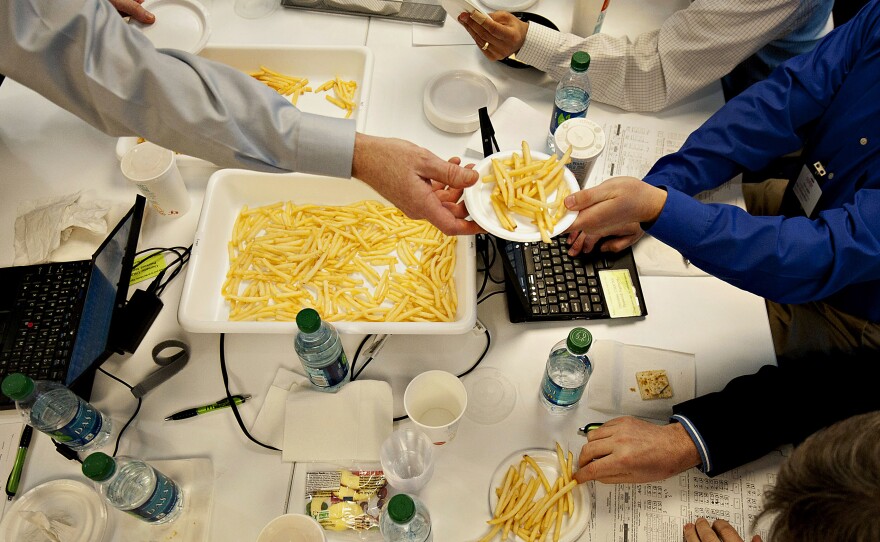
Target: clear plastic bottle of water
x: 55, y: 410
x: 135, y: 487
x: 567, y: 372
x: 405, y: 519
x: 572, y: 95
x: 320, y: 351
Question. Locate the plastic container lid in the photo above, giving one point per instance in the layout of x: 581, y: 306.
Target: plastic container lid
x: 509, y: 5
x: 452, y: 100
x: 180, y: 24
x: 98, y: 466
x: 491, y: 396
x: 401, y: 508
x: 580, y: 61
x: 585, y: 137
x: 17, y: 386
x: 579, y: 340
x: 308, y: 320
x: 456, y: 7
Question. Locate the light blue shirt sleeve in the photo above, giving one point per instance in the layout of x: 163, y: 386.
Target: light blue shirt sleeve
x: 84, y: 57
x: 702, y: 449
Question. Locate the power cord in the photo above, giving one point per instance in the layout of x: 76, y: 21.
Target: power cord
x: 131, y: 418
x: 229, y: 396
x: 157, y: 286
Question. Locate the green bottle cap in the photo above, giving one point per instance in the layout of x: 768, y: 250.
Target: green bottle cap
x: 308, y: 320
x: 579, y: 340
x: 17, y: 386
x: 580, y: 61
x: 98, y: 466
x: 401, y: 508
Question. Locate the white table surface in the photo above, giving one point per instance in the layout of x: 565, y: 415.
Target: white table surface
x: 46, y: 151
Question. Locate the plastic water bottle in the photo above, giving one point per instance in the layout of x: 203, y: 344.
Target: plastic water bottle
x: 135, y: 487
x: 572, y: 95
x: 567, y: 372
x: 405, y: 519
x: 318, y: 346
x: 55, y: 410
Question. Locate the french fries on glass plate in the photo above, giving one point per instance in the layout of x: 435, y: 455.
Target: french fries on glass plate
x: 520, y: 195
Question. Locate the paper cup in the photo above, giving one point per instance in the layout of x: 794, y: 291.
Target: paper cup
x: 435, y: 401
x: 585, y: 17
x: 290, y: 527
x: 153, y: 170
x: 586, y: 140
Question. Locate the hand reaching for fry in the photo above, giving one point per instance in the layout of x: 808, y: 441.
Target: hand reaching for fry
x: 410, y: 176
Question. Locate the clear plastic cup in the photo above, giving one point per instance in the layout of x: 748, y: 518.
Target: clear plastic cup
x: 407, y: 458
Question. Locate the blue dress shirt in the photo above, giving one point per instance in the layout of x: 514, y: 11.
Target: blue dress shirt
x: 826, y: 102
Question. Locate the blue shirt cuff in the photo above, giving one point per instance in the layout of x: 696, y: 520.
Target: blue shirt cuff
x: 706, y: 465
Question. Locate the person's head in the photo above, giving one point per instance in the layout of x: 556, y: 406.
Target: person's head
x: 829, y: 489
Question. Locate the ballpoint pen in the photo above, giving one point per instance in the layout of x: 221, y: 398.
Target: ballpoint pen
x: 222, y: 403
x: 589, y: 427
x: 18, y: 465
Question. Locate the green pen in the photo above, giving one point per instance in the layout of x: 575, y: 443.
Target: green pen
x: 222, y: 403
x: 18, y: 465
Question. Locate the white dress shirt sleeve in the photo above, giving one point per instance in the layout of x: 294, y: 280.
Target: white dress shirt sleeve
x: 83, y: 56
x: 692, y: 48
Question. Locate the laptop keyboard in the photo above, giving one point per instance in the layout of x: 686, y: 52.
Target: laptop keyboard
x: 555, y: 283
x: 46, y: 319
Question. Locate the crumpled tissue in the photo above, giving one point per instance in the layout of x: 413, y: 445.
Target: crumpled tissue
x: 41, y: 225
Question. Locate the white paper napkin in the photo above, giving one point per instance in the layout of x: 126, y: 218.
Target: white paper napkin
x: 350, y: 424
x: 514, y: 122
x: 613, y: 388
x: 658, y: 259
x: 41, y: 225
x: 269, y: 425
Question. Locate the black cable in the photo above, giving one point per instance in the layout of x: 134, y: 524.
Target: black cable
x: 157, y: 286
x: 490, y: 294
x: 229, y: 396
x: 353, y: 375
x: 133, y: 415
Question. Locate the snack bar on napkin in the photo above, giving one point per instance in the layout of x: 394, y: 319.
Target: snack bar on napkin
x: 350, y: 424
x: 514, y: 122
x: 639, y: 380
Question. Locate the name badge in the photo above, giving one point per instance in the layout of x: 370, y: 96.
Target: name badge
x: 807, y: 191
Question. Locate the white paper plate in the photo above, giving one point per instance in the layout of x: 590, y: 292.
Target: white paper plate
x: 572, y: 526
x: 452, y: 100
x: 66, y: 501
x: 509, y: 5
x: 180, y: 24
x: 456, y: 7
x: 478, y: 203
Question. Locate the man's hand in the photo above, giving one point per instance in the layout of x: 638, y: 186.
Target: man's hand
x: 133, y: 9
x: 616, y: 208
x: 630, y: 450
x: 504, y: 33
x: 719, y: 531
x: 419, y: 183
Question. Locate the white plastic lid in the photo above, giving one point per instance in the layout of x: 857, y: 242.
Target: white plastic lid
x: 585, y: 137
x: 453, y: 99
x: 456, y: 7
x: 180, y: 24
x: 76, y: 511
x: 509, y: 5
x: 491, y: 395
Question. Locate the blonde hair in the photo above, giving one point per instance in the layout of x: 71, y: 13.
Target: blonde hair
x: 829, y: 489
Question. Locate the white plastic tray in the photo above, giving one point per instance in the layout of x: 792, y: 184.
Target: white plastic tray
x: 203, y: 308
x: 318, y: 64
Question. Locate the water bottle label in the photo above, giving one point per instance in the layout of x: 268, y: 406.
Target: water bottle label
x: 329, y: 375
x: 161, y: 503
x: 82, y: 429
x: 560, y: 115
x: 558, y: 395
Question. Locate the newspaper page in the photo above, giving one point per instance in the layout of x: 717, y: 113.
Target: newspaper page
x: 658, y: 511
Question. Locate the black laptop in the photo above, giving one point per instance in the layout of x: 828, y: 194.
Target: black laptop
x: 58, y: 320
x: 544, y: 283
